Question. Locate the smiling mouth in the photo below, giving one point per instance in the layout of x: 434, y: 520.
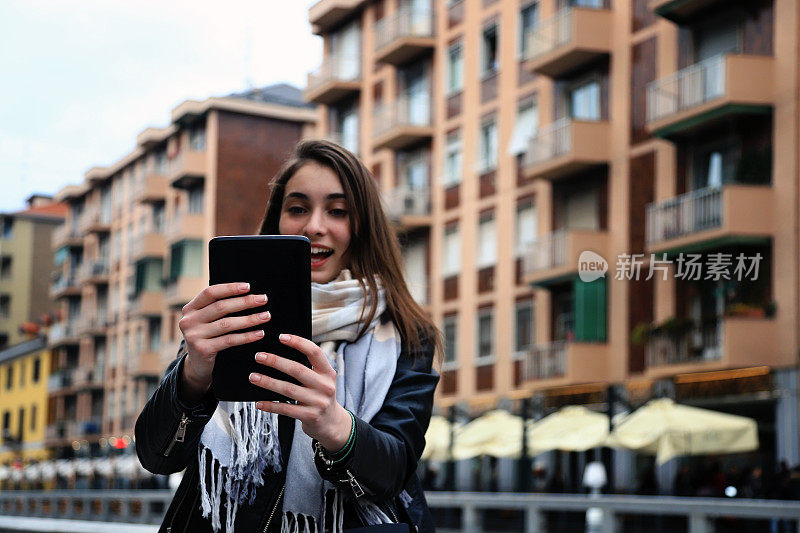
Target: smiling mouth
x: 319, y: 255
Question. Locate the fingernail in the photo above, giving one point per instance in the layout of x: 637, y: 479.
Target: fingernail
x: 255, y: 378
x: 259, y: 405
x: 264, y: 316
x: 284, y: 337
x: 260, y: 333
x: 244, y: 287
x: 261, y: 298
x: 261, y: 357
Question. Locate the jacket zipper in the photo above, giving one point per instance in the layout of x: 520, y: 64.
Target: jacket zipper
x: 275, y: 508
x: 357, y: 490
x: 180, y: 434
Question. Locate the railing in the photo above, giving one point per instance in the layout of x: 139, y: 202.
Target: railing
x: 88, y: 270
x: 699, y: 343
x: 402, y: 201
x: 685, y: 214
x: 61, y: 379
x: 149, y: 506
x: 348, y: 141
x: 63, y: 282
x: 404, y: 111
x: 66, y: 232
x: 546, y: 252
x: 81, y: 428
x: 335, y: 68
x: 545, y: 361
x: 88, y: 376
x: 551, y: 141
x: 550, y: 34
x: 62, y: 330
x: 689, y: 87
x: 404, y: 22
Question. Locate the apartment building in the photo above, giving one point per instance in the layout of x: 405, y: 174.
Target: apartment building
x: 26, y: 262
x: 511, y: 136
x: 24, y: 376
x: 133, y: 251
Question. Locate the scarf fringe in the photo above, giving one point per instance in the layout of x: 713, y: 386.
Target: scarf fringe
x: 254, y: 448
x: 291, y: 524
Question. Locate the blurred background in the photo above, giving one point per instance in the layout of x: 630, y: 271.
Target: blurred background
x: 589, y: 195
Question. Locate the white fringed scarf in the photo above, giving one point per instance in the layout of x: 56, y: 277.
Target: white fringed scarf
x: 243, y: 441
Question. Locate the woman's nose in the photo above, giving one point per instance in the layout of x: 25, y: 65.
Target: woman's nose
x: 316, y: 224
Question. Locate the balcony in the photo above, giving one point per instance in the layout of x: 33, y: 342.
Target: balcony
x: 711, y: 217
x: 61, y: 381
x: 187, y: 169
x: 90, y: 377
x: 147, y: 364
x: 152, y: 189
x: 347, y: 141
x: 569, y: 40
x: 410, y: 208
x: 95, y: 221
x: 556, y: 257
x: 56, y: 431
x: 147, y: 303
x: 62, y: 334
x: 708, y: 92
x: 185, y: 225
x: 179, y: 292
x: 567, y: 146
x: 337, y: 78
x: 327, y: 14
x: 403, y: 36
x: 150, y: 244
x: 680, y: 11
x: 92, y: 324
x: 65, y: 285
x: 68, y: 235
x: 564, y: 362
x: 727, y: 343
x: 402, y: 123
x: 95, y: 272
x: 78, y: 430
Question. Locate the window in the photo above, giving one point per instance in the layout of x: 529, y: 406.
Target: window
x: 160, y: 162
x: 523, y: 326
x: 455, y: 68
x: 415, y: 270
x: 197, y: 139
x: 21, y: 422
x: 6, y: 423
x: 489, y: 57
x: 37, y: 369
x: 9, y: 377
x: 526, y: 227
x: 345, y: 52
x: 22, y: 369
x: 344, y: 125
x: 5, y: 267
x: 584, y: 101
x: 159, y: 217
x: 451, y: 262
x: 5, y: 306
x: 452, y: 159
x: 186, y: 259
x: 485, y: 333
x: 488, y: 146
x: 526, y: 127
x: 528, y: 19
x: 33, y: 417
x: 487, y: 241
x: 714, y: 165
x: 450, y: 331
x: 148, y: 275
x: 196, y: 199
x: 154, y: 334
x: 8, y: 227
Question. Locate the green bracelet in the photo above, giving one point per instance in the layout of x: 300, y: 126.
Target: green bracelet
x: 341, y: 454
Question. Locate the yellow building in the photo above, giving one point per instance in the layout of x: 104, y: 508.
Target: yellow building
x: 24, y: 374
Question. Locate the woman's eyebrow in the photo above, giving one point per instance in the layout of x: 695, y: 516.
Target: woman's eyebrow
x: 332, y: 196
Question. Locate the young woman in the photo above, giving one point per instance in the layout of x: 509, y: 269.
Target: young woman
x: 344, y: 455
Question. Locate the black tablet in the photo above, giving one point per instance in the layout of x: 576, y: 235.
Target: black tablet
x: 280, y: 267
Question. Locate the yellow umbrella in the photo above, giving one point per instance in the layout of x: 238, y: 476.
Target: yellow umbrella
x: 571, y: 429
x: 668, y: 430
x: 497, y: 433
x: 437, y: 440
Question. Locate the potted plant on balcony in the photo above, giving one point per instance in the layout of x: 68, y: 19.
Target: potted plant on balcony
x: 641, y: 333
x: 677, y: 327
x: 745, y: 310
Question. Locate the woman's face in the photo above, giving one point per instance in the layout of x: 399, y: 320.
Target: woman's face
x: 314, y: 206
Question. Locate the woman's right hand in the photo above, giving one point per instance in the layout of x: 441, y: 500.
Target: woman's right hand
x: 207, y: 329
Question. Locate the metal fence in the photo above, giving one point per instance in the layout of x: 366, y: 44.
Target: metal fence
x: 149, y: 506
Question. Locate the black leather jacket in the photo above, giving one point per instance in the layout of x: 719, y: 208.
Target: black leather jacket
x: 382, y: 463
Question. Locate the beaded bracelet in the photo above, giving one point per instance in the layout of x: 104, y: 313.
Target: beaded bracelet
x: 343, y: 453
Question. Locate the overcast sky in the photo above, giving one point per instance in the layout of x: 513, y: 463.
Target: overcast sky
x: 80, y: 79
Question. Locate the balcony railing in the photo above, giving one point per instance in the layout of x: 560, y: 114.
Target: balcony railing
x: 404, y: 34
x: 335, y: 69
x: 546, y: 252
x: 404, y: 111
x: 685, y: 214
x: 82, y: 428
x: 89, y: 270
x: 550, y: 34
x: 687, y: 88
x: 702, y: 342
x: 93, y: 376
x: 551, y: 141
x: 402, y: 201
x: 61, y: 379
x: 545, y: 361
x: 62, y: 330
x: 68, y: 234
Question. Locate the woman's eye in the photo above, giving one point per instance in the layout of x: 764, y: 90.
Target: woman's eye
x: 295, y: 210
x: 339, y: 212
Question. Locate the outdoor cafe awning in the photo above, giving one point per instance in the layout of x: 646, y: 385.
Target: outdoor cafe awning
x: 668, y: 430
x: 570, y: 429
x: 497, y: 433
x: 437, y: 440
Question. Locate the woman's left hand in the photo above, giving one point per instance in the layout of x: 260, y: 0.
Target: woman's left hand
x: 321, y: 415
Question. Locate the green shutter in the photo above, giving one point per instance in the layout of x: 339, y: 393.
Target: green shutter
x: 590, y: 310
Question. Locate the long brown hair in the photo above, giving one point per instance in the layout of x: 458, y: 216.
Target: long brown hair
x: 374, y: 250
